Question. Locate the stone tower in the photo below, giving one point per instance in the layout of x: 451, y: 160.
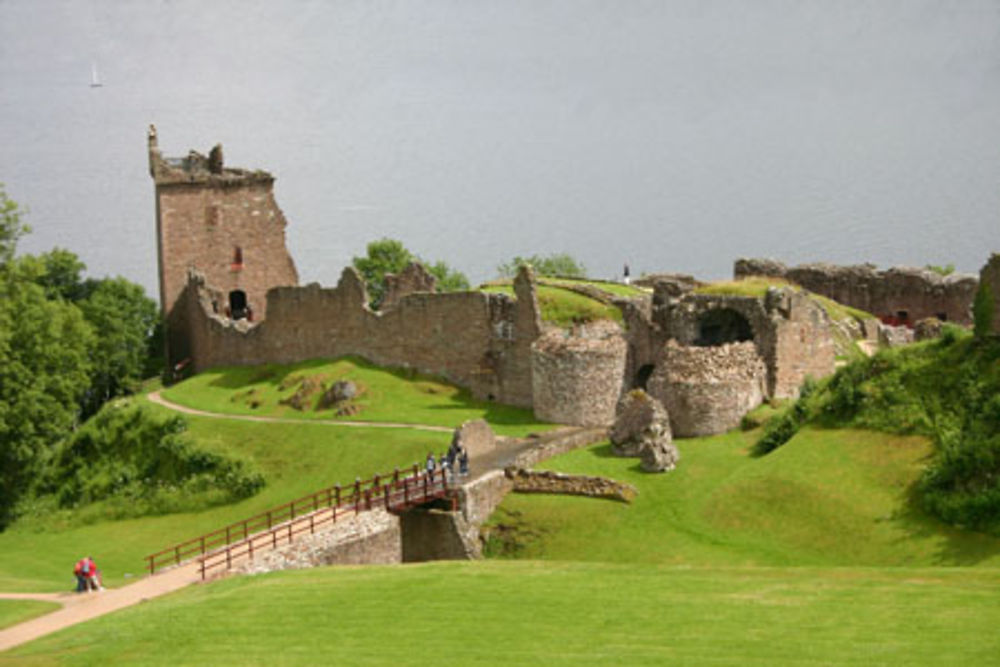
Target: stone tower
x: 222, y: 223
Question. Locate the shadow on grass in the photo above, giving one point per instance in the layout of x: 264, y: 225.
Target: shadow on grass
x: 958, y: 546
x: 273, y: 374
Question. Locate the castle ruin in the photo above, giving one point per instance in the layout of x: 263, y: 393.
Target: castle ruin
x: 229, y: 294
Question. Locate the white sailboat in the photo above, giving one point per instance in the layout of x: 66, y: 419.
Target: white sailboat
x: 95, y: 81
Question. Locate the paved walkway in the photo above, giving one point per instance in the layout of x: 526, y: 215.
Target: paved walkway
x: 80, y: 607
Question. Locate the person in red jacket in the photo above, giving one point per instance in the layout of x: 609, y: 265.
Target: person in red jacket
x: 93, y: 575
x: 81, y: 578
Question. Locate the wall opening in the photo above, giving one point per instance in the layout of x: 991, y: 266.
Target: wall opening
x: 642, y: 377
x: 237, y: 259
x: 721, y: 326
x: 238, y: 304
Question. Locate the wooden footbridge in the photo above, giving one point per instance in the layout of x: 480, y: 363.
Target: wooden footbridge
x: 218, y: 550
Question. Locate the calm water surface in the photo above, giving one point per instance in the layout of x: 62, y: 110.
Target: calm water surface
x: 672, y: 135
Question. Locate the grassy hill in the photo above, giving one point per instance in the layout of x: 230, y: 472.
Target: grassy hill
x: 297, y: 458
x: 385, y: 395
x: 819, y: 551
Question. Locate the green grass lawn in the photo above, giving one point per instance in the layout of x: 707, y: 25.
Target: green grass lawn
x: 389, y: 395
x: 19, y: 611
x: 551, y: 613
x: 296, y: 459
x: 827, y: 498
x: 562, y: 307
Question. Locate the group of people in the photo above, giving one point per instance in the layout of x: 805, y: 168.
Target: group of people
x: 88, y: 577
x: 455, y: 456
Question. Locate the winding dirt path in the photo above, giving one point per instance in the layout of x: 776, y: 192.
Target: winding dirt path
x: 155, y: 397
x: 80, y: 607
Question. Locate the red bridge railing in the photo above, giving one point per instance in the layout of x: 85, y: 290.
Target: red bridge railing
x: 281, y: 524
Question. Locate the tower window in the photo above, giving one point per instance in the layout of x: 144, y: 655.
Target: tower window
x: 237, y: 258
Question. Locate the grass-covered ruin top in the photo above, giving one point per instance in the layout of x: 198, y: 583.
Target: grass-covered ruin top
x: 757, y: 286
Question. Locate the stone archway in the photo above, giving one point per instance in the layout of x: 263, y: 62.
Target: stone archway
x: 642, y: 376
x: 238, y: 304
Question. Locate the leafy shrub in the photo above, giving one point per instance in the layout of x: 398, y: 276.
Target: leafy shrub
x: 141, y: 464
x: 982, y: 311
x: 783, y: 428
x: 947, y: 390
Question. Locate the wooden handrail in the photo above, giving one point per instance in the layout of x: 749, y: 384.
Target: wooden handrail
x: 391, y: 496
x: 240, y: 531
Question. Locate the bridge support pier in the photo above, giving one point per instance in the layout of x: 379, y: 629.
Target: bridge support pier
x: 434, y: 534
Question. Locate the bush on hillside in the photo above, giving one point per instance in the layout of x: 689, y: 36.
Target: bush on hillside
x: 142, y: 464
x: 947, y: 390
x: 982, y: 311
x: 779, y: 430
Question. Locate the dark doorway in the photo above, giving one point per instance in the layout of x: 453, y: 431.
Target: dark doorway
x: 238, y: 304
x: 721, y: 326
x: 642, y: 377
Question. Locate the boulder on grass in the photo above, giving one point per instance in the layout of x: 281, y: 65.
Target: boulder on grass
x: 637, y: 413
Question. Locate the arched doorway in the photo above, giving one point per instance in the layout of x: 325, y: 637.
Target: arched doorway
x: 238, y: 304
x: 643, y: 375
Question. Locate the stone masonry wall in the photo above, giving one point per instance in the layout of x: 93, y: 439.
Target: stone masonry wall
x: 802, y: 343
x: 370, y: 538
x: 919, y: 292
x: 990, y: 275
x: 204, y: 213
x: 548, y: 481
x: 707, y: 390
x: 577, y: 378
x: 476, y: 340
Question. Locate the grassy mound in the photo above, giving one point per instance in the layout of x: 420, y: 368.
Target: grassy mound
x: 563, y: 307
x: 384, y: 395
x: 37, y: 553
x: 947, y: 390
x: 553, y: 614
x: 757, y: 286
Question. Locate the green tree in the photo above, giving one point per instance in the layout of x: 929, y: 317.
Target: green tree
x: 982, y: 311
x: 125, y: 319
x: 11, y: 227
x: 555, y: 264
x: 448, y: 280
x: 44, y: 373
x: 391, y: 256
x: 383, y: 256
x: 58, y: 272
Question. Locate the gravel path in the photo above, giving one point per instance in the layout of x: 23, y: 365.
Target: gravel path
x: 155, y: 397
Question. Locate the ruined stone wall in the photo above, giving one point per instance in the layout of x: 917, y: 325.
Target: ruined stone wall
x: 791, y: 331
x: 476, y: 340
x: 801, y: 344
x: 548, y: 481
x: 577, y: 377
x: 414, y: 278
x: 224, y: 223
x: 990, y: 275
x: 919, y: 293
x: 707, y: 390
